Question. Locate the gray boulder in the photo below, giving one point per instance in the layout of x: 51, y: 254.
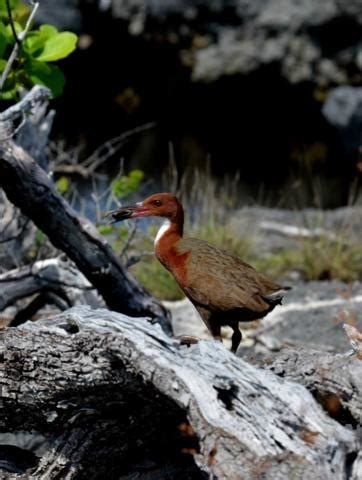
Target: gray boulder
x: 343, y: 110
x: 309, y: 40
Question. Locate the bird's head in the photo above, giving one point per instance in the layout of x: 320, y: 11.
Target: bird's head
x: 157, y: 205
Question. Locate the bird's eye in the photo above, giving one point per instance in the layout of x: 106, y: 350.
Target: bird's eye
x: 157, y: 203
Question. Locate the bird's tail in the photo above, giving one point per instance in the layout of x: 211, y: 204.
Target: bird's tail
x: 277, y: 296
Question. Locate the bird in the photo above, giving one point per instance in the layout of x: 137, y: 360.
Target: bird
x: 223, y: 288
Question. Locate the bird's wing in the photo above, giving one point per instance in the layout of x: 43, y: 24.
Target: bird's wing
x: 221, y: 281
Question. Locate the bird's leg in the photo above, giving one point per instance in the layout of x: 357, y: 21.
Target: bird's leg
x: 215, y: 328
x: 236, y: 338
x: 211, y: 321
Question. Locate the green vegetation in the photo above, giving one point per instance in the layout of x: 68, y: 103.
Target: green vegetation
x: 125, y: 185
x: 321, y: 258
x: 149, y: 271
x: 156, y: 279
x: 39, y: 49
x: 63, y: 184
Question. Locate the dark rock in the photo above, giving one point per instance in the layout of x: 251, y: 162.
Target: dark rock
x: 212, y: 74
x: 16, y: 460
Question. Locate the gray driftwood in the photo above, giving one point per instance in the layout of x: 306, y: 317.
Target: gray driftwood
x: 113, y: 394
x: 30, y: 123
x: 52, y: 281
x: 30, y: 189
x: 335, y: 379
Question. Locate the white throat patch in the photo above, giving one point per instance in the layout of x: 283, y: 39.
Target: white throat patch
x: 164, y: 227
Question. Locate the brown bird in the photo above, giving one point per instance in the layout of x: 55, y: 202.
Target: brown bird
x: 224, y: 289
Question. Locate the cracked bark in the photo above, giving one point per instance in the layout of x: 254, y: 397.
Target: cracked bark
x: 116, y: 394
x: 336, y: 381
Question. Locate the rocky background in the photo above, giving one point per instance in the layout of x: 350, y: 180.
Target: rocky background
x: 269, y: 88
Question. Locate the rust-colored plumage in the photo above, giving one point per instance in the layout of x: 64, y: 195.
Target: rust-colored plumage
x: 224, y: 289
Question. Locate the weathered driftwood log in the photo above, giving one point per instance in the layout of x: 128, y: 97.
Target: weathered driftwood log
x: 35, y: 122
x: 42, y: 275
x: 28, y: 187
x: 17, y: 235
x: 112, y: 395
x: 55, y: 281
x: 31, y: 124
x: 334, y: 379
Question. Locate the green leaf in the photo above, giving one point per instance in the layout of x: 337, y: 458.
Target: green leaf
x: 10, y: 93
x: 48, y: 75
x: 127, y: 184
x: 3, y: 39
x: 9, y: 32
x: 19, y: 11
x: 39, y: 238
x: 2, y: 64
x: 13, y: 4
x: 105, y: 229
x: 48, y: 31
x: 63, y: 185
x: 58, y: 46
x: 122, y: 232
x: 36, y: 39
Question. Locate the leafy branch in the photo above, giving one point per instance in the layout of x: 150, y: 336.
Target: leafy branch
x: 26, y: 54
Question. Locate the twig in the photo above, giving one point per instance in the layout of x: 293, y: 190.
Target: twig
x: 38, y: 94
x: 18, y: 42
x: 71, y: 170
x: 17, y: 234
x: 101, y: 154
x: 11, y: 21
x: 129, y: 239
x: 133, y: 259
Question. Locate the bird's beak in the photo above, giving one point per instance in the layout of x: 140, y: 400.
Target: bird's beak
x: 123, y: 213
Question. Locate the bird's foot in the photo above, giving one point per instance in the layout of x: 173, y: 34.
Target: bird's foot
x: 187, y: 339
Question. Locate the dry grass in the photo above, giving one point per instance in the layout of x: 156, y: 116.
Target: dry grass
x: 211, y: 205
x: 322, y: 258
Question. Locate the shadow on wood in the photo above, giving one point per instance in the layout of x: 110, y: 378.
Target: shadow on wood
x: 118, y: 396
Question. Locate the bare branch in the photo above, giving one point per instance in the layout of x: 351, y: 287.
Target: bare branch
x: 43, y: 275
x: 18, y: 42
x: 37, y: 95
x: 129, y: 239
x: 102, y: 154
x: 11, y: 21
x: 30, y: 188
x: 15, y: 235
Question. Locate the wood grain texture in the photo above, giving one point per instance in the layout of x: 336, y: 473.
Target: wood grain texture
x: 248, y: 423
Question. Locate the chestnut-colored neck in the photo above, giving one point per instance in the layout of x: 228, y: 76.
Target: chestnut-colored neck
x: 177, y: 221
x: 166, y: 246
x: 170, y: 232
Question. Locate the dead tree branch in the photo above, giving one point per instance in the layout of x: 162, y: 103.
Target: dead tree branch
x: 54, y: 280
x: 29, y: 188
x: 137, y: 387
